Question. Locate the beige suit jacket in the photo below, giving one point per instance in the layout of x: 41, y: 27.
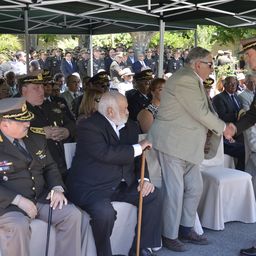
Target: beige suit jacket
x: 184, y: 119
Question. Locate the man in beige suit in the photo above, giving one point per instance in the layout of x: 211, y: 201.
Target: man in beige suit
x: 179, y: 135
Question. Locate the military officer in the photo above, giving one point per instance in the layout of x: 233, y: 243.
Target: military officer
x: 27, y: 175
x: 139, y: 98
x: 49, y: 119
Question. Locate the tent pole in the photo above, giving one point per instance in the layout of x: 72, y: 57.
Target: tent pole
x: 91, y: 54
x: 26, y: 36
x: 161, y: 55
x: 196, y: 37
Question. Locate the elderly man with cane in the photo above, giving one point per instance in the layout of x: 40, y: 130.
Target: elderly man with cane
x: 106, y: 168
x: 27, y: 175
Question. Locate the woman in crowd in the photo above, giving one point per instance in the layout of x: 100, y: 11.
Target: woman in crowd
x: 89, y: 103
x: 147, y: 115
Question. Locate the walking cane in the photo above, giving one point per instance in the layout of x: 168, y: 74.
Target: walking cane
x: 49, y: 225
x: 142, y: 174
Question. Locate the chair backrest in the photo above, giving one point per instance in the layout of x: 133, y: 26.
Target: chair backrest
x: 69, y: 150
x: 218, y: 160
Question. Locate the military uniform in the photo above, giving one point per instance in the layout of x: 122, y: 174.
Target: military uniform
x: 97, y: 65
x: 82, y: 65
x: 54, y: 63
x: 31, y: 178
x: 49, y: 114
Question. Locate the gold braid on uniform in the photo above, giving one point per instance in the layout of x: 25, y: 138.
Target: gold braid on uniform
x: 37, y: 130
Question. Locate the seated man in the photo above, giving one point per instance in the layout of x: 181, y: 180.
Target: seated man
x: 49, y: 119
x: 228, y: 105
x: 27, y: 174
x: 105, y: 168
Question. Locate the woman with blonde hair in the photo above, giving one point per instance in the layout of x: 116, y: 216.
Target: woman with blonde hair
x: 89, y: 103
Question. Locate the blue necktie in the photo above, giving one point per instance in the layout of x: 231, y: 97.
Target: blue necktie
x: 237, y: 108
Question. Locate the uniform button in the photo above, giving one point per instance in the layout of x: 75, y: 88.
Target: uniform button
x: 29, y: 169
x: 33, y: 188
x: 32, y: 177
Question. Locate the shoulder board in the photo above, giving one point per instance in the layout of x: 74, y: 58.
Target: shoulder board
x: 1, y: 139
x: 37, y: 130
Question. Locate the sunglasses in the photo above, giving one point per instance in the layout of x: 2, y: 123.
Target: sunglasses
x: 210, y: 64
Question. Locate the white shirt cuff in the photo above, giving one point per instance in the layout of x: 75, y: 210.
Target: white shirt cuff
x: 137, y: 150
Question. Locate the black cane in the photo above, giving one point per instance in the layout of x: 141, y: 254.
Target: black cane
x: 49, y: 225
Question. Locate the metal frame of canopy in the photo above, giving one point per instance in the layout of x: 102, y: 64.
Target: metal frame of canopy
x: 99, y: 16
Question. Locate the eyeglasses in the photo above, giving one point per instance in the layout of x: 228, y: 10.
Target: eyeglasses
x: 210, y: 64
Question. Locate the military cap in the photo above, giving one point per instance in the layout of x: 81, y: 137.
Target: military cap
x: 15, y: 109
x: 100, y: 78
x: 144, y: 75
x: 208, y: 83
x: 84, y: 50
x: 41, y: 78
x: 248, y: 43
x: 97, y: 48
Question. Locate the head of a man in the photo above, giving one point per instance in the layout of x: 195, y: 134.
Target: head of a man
x: 73, y: 83
x: 201, y: 61
x: 114, y: 106
x: 119, y: 57
x: 14, y: 117
x: 68, y: 56
x: 10, y: 78
x: 230, y: 84
x: 99, y: 81
x: 250, y: 82
x: 143, y: 80
x: 21, y: 56
x: 32, y: 90
x: 249, y: 51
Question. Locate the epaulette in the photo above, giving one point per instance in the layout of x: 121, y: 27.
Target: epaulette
x: 1, y: 139
x: 37, y: 130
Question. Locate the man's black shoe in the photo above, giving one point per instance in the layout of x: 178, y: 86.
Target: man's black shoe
x: 143, y: 252
x: 248, y: 252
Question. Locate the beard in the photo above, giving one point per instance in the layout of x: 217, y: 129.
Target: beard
x: 121, y: 120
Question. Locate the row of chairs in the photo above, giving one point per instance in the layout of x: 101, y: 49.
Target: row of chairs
x: 228, y: 195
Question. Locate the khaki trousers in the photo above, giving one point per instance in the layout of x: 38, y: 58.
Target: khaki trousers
x: 182, y: 188
x: 15, y: 232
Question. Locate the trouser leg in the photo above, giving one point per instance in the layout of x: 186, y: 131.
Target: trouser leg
x: 67, y: 223
x: 193, y: 188
x: 14, y: 234
x: 103, y: 216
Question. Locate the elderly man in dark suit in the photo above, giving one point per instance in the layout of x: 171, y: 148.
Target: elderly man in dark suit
x: 228, y: 106
x: 105, y: 168
x: 27, y: 174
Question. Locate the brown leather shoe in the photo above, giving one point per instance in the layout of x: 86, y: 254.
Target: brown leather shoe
x: 194, y: 238
x: 174, y: 244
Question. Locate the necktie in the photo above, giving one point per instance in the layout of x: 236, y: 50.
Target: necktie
x: 235, y: 103
x: 22, y: 150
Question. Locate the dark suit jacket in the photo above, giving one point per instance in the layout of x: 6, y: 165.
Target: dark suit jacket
x: 136, y: 66
x: 248, y: 120
x: 224, y: 107
x: 102, y: 160
x: 66, y: 69
x: 32, y: 180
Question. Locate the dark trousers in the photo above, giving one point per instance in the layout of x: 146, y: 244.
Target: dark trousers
x: 103, y: 217
x: 236, y: 150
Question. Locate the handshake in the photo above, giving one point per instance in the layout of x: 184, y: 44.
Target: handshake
x: 230, y: 131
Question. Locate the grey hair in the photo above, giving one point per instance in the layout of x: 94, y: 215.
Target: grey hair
x: 249, y: 77
x: 197, y: 53
x: 109, y: 99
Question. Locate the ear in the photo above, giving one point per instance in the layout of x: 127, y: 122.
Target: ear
x: 197, y: 65
x: 110, y: 112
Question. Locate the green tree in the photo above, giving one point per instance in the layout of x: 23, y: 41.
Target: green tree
x: 8, y: 44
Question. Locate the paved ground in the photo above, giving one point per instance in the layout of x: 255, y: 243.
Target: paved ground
x: 223, y: 243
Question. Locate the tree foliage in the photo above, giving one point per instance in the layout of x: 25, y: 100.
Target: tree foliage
x: 9, y: 43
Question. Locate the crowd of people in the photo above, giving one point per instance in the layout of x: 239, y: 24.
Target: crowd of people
x: 56, y: 102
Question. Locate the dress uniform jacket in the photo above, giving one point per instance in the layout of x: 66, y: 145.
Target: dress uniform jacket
x: 31, y: 179
x: 136, y: 102
x: 49, y: 114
